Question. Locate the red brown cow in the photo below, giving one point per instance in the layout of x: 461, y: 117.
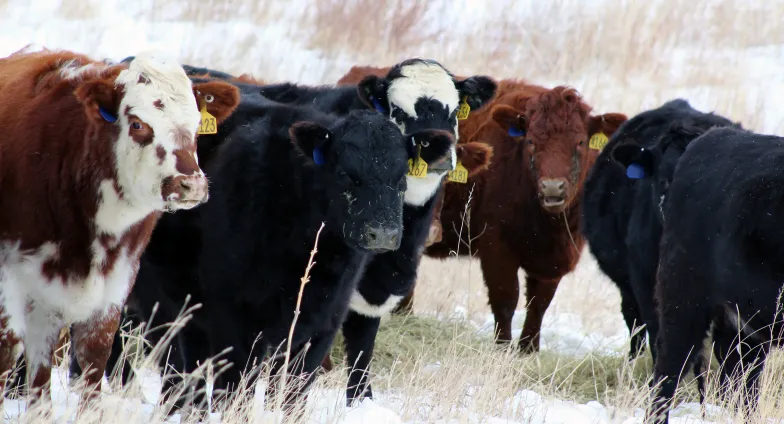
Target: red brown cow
x: 91, y: 154
x: 525, y: 210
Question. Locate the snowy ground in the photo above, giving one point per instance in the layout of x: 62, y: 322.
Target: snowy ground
x: 327, y: 406
x: 264, y: 39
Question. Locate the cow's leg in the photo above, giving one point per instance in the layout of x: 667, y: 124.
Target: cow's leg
x: 302, y: 372
x: 115, y: 357
x: 633, y: 319
x: 360, y: 334
x: 499, y: 268
x: 42, y: 330
x: 8, y: 343
x: 189, y: 349
x: 17, y: 381
x: 92, y: 340
x: 642, y: 284
x: 326, y: 364
x: 684, y: 321
x: 539, y: 293
x: 754, y: 361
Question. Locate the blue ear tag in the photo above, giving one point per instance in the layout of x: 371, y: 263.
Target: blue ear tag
x: 635, y: 171
x: 107, y: 115
x: 318, y: 156
x: 377, y: 105
x: 516, y: 132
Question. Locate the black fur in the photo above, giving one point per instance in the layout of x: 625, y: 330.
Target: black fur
x: 622, y: 217
x: 721, y: 249
x: 267, y: 200
x: 393, y: 273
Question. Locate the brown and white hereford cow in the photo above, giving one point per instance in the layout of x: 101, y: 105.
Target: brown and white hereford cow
x: 91, y: 154
x: 525, y: 211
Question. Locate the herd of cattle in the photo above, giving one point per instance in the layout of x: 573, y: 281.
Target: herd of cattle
x: 677, y: 205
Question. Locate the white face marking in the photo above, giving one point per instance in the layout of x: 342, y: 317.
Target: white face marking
x: 139, y: 169
x: 429, y: 81
x: 420, y: 190
x: 361, y: 306
x: 422, y: 80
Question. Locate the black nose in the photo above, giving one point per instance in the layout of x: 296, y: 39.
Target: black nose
x: 382, y: 238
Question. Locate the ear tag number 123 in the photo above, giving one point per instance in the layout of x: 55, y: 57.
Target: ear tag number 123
x: 207, y: 125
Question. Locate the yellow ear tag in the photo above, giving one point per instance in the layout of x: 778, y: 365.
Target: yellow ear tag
x: 464, y: 110
x: 459, y: 175
x: 417, y: 167
x: 208, y: 124
x: 598, y: 141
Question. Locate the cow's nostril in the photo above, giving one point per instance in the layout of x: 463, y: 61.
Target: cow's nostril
x: 185, y: 186
x: 560, y: 185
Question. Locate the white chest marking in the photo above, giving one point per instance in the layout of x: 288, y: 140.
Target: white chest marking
x: 420, y: 190
x: 361, y: 306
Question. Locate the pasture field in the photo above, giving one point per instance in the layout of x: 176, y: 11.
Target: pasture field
x: 440, y: 364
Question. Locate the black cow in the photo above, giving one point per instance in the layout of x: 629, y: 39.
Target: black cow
x: 416, y: 94
x: 258, y: 228
x: 721, y: 249
x: 622, y: 204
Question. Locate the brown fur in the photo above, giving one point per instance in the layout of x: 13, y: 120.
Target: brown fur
x: 54, y: 150
x: 509, y: 226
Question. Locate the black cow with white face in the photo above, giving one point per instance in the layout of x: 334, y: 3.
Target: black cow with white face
x: 721, y: 252
x: 416, y: 94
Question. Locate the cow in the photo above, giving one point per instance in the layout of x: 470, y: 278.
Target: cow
x: 622, y: 209
x: 525, y: 208
x: 81, y: 194
x: 417, y: 94
x: 720, y: 253
x: 219, y: 100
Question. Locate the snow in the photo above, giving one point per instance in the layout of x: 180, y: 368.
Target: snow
x: 116, y: 29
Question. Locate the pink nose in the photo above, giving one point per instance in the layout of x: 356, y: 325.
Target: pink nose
x: 191, y: 188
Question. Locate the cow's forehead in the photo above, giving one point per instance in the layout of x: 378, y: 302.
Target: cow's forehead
x: 159, y: 91
x: 422, y: 80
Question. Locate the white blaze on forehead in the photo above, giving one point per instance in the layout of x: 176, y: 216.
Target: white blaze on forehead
x: 168, y: 83
x: 422, y: 80
x: 140, y: 172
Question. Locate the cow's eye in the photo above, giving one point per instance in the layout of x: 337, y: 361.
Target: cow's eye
x: 136, y: 125
x: 530, y: 142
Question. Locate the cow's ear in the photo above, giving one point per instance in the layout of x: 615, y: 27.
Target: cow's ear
x: 100, y: 99
x: 606, y: 124
x: 312, y: 139
x: 476, y: 90
x: 220, y: 98
x: 475, y: 156
x: 510, y: 119
x: 372, y: 91
x: 638, y: 161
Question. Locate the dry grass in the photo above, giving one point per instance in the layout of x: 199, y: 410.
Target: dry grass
x: 622, y: 55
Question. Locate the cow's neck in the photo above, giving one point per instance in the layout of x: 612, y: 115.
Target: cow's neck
x: 420, y: 190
